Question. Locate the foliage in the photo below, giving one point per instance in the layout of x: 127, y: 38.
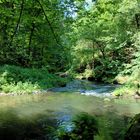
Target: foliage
x: 103, y: 38
x: 133, y: 129
x: 108, y: 122
x: 85, y: 127
x: 125, y: 90
x: 30, y: 33
x: 96, y: 40
x: 132, y: 70
x: 18, y: 80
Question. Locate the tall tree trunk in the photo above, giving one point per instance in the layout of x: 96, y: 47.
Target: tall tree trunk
x: 137, y: 18
x: 49, y: 23
x: 30, y: 50
x: 102, y: 50
x: 18, y: 22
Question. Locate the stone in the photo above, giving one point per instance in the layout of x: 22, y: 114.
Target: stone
x: 107, y: 100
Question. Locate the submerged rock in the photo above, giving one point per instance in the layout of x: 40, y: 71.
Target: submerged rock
x: 136, y: 96
x: 107, y: 100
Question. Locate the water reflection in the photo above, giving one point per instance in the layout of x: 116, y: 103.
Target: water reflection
x: 37, y: 127
x: 43, y: 117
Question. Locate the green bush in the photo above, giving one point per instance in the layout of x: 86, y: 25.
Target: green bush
x: 125, y: 90
x: 85, y: 127
x: 20, y: 88
x: 19, y: 80
x: 133, y: 130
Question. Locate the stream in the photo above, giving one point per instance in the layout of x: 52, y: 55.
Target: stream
x: 85, y: 87
x: 44, y: 116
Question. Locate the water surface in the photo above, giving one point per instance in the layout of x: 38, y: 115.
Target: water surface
x: 43, y: 114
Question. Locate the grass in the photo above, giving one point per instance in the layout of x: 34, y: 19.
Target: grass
x: 129, y: 85
x: 17, y: 80
x: 125, y: 90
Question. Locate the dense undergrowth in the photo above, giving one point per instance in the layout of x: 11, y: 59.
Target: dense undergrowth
x: 130, y: 82
x: 19, y: 80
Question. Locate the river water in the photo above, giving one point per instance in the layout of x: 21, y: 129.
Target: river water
x: 40, y: 116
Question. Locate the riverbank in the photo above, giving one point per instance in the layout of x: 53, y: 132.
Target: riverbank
x: 17, y: 80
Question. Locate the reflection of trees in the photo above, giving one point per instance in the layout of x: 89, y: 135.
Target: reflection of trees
x: 83, y: 127
x: 39, y: 127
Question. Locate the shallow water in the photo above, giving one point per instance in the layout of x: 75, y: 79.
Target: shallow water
x: 85, y: 87
x: 50, y: 110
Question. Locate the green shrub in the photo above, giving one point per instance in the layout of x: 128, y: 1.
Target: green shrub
x: 19, y: 80
x: 133, y: 130
x: 20, y: 88
x: 84, y: 127
x: 127, y: 89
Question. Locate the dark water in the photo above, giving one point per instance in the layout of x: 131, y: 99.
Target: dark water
x: 44, y: 116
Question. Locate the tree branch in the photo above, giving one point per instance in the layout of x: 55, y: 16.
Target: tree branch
x: 137, y: 18
x: 52, y: 30
x: 18, y: 22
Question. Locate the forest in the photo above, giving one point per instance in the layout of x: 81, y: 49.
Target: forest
x: 95, y: 40
x: 49, y: 46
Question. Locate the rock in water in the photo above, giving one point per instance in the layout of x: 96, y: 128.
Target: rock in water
x: 107, y: 100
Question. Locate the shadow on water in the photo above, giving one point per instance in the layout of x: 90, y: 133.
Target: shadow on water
x: 37, y: 127
x: 46, y: 126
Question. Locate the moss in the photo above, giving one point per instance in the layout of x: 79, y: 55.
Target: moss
x: 121, y: 79
x: 125, y: 90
